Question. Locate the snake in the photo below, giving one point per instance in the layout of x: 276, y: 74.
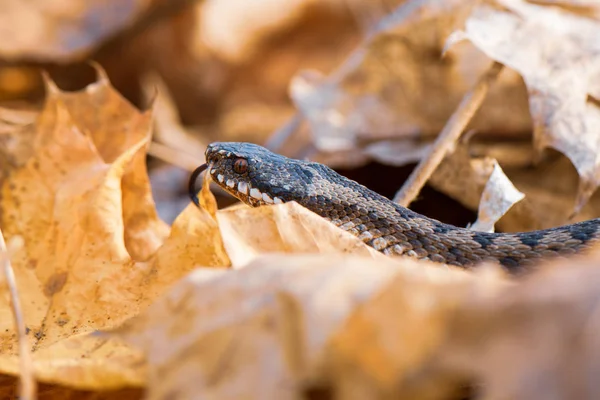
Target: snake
x: 258, y: 177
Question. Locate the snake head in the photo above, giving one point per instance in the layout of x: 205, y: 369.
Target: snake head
x: 253, y: 174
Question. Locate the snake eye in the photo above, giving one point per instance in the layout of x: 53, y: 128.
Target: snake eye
x: 240, y: 165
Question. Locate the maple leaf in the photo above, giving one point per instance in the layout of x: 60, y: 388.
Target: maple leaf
x: 94, y: 251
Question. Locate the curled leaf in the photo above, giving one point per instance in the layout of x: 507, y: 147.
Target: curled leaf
x: 498, y: 196
x: 555, y: 51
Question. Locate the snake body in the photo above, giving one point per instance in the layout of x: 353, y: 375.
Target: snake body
x: 259, y: 177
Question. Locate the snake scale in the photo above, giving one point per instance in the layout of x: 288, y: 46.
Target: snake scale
x: 257, y: 177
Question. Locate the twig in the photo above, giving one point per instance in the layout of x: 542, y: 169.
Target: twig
x: 173, y: 156
x: 448, y: 137
x: 280, y: 136
x: 28, y: 387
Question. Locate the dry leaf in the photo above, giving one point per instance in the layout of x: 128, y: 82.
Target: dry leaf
x: 114, y: 126
x: 549, y: 188
x: 462, y: 177
x: 16, y: 135
x: 387, y: 339
x: 395, y: 86
x: 235, y: 28
x: 169, y: 130
x: 550, y: 191
x: 61, y: 31
x: 360, y: 328
x: 261, y: 331
x: 535, y: 339
x: 532, y: 339
x: 555, y: 51
x: 75, y: 192
x: 498, y: 196
x: 95, y: 252
x: 207, y: 200
x: 283, y: 228
x: 85, y: 361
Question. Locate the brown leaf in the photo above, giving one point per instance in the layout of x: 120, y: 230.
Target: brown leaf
x: 384, y: 343
x: 549, y: 187
x: 16, y: 135
x: 531, y: 340
x: 463, y: 177
x: 61, y: 31
x: 195, y: 241
x: 262, y: 331
x: 394, y: 85
x: 114, y: 126
x: 87, y: 362
x: 478, y: 183
x: 362, y: 328
x: 285, y: 228
x: 95, y: 252
x: 550, y: 191
x: 207, y: 199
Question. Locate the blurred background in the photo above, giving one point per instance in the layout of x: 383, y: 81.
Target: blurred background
x: 360, y: 85
x: 222, y: 68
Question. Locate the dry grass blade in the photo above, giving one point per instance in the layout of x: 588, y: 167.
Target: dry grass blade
x: 28, y: 387
x: 448, y: 137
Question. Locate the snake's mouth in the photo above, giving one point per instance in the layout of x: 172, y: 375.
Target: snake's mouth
x: 241, y: 188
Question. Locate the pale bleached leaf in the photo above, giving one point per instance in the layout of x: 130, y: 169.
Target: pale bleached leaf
x: 396, y: 85
x: 285, y: 228
x: 498, y: 196
x: 264, y: 331
x: 557, y: 52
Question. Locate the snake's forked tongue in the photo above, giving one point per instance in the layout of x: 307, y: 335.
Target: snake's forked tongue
x: 192, y: 184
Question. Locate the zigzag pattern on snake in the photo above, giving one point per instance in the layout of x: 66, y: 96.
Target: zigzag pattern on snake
x: 259, y: 177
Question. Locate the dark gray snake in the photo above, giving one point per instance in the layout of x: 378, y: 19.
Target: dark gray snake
x: 257, y: 177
